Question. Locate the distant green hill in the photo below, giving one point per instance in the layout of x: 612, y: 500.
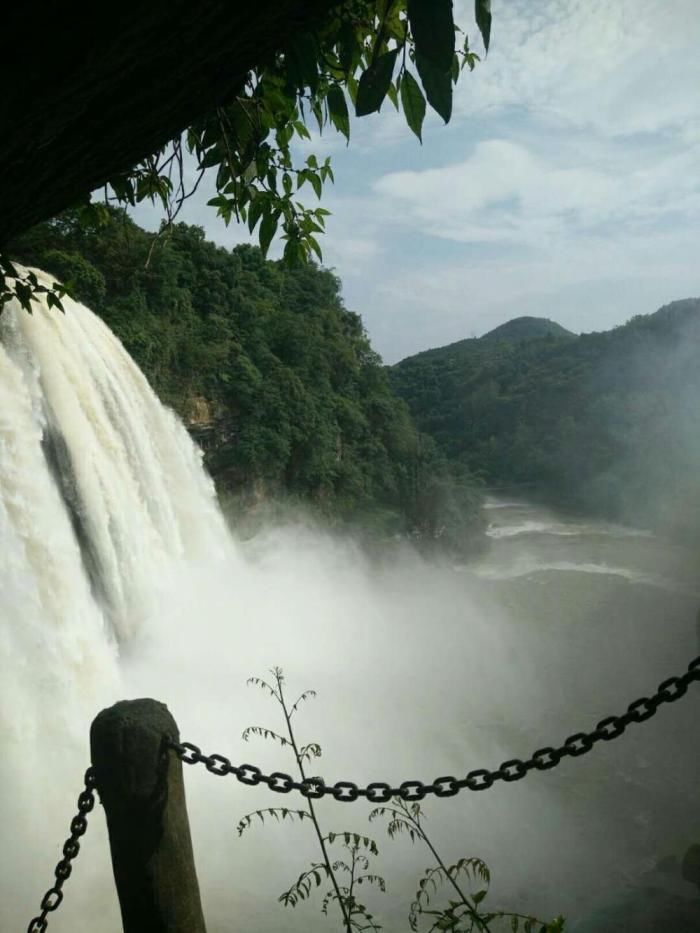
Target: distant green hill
x: 608, y: 422
x: 527, y: 328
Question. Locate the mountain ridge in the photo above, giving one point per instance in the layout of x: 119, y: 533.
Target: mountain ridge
x: 607, y: 422
x: 527, y: 327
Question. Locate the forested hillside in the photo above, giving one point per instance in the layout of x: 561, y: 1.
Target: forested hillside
x: 274, y: 376
x: 607, y: 422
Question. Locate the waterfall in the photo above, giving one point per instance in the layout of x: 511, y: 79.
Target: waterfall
x: 101, y: 486
x: 102, y: 495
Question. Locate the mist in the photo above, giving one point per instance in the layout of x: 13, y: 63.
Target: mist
x: 647, y: 387
x: 420, y: 671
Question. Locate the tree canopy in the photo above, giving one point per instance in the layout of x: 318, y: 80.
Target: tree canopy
x: 274, y: 376
x: 332, y: 59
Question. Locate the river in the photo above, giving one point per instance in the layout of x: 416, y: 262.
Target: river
x: 614, y: 607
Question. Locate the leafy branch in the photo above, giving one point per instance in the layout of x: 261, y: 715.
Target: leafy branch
x: 279, y: 814
x: 264, y: 733
x: 468, y: 878
x: 357, y: 871
x: 306, y: 695
x: 301, y: 889
x: 25, y: 287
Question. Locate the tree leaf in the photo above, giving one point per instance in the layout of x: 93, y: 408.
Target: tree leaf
x: 433, y: 28
x: 268, y: 228
x: 54, y: 301
x: 352, y: 89
x: 413, y: 103
x: 374, y: 83
x: 317, y: 111
x: 482, y: 14
x: 347, y: 46
x: 254, y: 212
x: 392, y: 95
x: 211, y: 157
x: 437, y: 86
x: 338, y: 110
x: 302, y: 61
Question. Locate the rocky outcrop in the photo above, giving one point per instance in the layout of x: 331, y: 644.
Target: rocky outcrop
x: 211, y: 426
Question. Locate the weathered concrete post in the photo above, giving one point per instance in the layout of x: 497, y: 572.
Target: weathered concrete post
x: 140, y: 784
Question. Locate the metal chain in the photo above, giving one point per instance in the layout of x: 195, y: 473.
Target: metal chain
x: 379, y: 792
x: 376, y: 792
x: 53, y: 897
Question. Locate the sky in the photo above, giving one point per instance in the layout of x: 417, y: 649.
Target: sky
x: 567, y: 184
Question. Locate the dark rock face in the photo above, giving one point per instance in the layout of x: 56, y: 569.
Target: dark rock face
x: 216, y: 431
x: 690, y: 869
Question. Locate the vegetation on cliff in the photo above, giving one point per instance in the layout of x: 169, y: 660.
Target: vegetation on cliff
x: 275, y: 376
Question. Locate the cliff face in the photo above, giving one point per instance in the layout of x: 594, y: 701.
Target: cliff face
x: 214, y: 429
x: 200, y: 412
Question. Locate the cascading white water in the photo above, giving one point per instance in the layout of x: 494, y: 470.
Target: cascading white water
x: 129, y: 475
x: 118, y: 578
x: 102, y: 493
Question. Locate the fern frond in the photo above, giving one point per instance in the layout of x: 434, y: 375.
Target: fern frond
x: 264, y: 686
x: 303, y: 886
x: 279, y: 814
x: 264, y: 733
x: 306, y: 695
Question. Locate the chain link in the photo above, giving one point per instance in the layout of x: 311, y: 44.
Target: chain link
x: 543, y: 759
x: 53, y: 897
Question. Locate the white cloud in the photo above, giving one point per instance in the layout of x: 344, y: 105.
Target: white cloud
x: 620, y: 68
x: 506, y: 192
x: 590, y: 285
